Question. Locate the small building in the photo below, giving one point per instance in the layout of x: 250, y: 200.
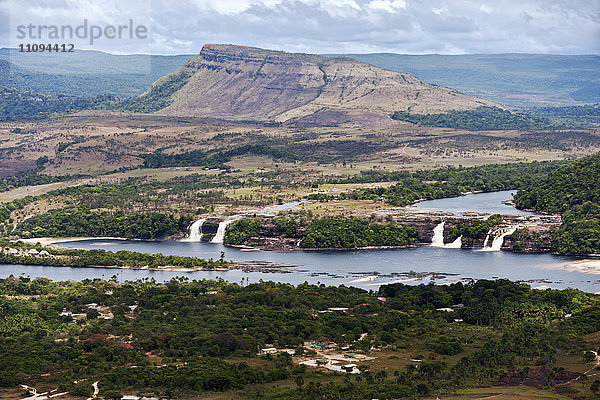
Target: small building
x: 268, y: 350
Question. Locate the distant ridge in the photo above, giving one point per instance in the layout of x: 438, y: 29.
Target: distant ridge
x: 248, y: 83
x: 517, y: 80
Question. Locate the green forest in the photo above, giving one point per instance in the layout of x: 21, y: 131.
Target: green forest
x: 351, y: 232
x: 16, y: 104
x: 449, y: 181
x: 99, y: 257
x: 574, y: 191
x: 581, y: 114
x: 182, y: 339
x: 480, y: 119
x: 74, y: 221
x: 241, y: 230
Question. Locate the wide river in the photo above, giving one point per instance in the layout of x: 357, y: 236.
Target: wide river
x: 363, y: 268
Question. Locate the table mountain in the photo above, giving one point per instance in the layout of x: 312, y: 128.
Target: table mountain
x: 247, y: 83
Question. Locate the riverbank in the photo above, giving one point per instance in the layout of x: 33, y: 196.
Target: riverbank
x: 48, y: 242
x: 27, y: 253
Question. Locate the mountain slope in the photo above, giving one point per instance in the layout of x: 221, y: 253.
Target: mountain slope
x: 239, y: 82
x: 513, y: 79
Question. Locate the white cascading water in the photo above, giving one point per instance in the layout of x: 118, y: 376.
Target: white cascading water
x: 498, y: 240
x: 438, y: 238
x: 220, y: 235
x: 438, y: 235
x: 487, y: 239
x: 195, y: 231
x: 457, y: 244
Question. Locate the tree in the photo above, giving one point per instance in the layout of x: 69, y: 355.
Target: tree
x: 112, y: 395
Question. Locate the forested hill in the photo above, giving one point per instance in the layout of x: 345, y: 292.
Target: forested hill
x: 574, y: 191
x: 568, y: 187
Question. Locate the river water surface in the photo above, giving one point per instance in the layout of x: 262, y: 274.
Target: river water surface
x: 363, y: 268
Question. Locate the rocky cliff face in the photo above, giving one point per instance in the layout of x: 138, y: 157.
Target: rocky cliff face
x: 248, y: 83
x: 534, y: 237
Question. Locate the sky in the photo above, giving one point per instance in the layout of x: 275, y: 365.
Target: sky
x: 311, y: 26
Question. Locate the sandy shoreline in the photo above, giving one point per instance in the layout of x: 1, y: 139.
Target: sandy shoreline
x: 50, y: 241
x: 586, y: 266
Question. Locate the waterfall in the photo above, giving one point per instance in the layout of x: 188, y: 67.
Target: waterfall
x: 487, y: 239
x: 498, y: 240
x: 438, y: 238
x: 438, y: 235
x: 220, y: 235
x: 195, y: 231
x: 457, y: 244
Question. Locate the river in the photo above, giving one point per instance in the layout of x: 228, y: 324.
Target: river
x: 367, y: 269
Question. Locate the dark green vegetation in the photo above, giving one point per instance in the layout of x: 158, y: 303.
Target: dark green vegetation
x: 473, y: 230
x: 29, y: 178
x: 93, y: 258
x: 240, y: 231
x: 159, y: 94
x: 86, y: 74
x: 345, y: 233
x: 7, y: 208
x: 77, y: 221
x: 325, y: 233
x: 15, y: 104
x: 134, y: 210
x: 511, y: 79
x: 585, y: 114
x: 38, y: 84
x: 288, y: 150
x: 450, y: 181
x: 204, y: 335
x: 574, y: 191
x: 480, y: 119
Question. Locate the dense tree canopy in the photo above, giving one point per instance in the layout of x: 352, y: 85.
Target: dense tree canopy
x: 574, y: 191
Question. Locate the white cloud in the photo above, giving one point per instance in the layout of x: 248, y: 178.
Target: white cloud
x: 334, y: 26
x: 390, y: 6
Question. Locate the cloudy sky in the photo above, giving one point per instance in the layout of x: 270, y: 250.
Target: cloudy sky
x: 319, y: 26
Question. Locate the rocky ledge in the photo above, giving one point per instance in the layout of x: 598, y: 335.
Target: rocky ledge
x: 523, y: 234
